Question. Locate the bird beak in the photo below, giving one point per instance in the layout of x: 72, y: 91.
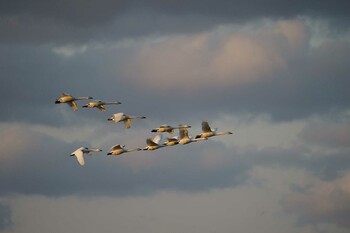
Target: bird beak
x: 85, y: 106
x: 71, y: 154
x: 57, y: 101
x: 154, y: 130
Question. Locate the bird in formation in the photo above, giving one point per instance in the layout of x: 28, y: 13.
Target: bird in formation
x: 119, y: 117
x: 99, y: 105
x: 118, y: 149
x: 208, y: 132
x: 70, y: 100
x: 80, y: 152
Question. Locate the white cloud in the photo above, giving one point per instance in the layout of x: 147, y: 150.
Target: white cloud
x: 218, y: 58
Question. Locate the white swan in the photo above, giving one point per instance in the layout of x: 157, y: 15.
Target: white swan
x: 153, y: 144
x: 169, y: 129
x: 69, y: 99
x: 118, y: 149
x: 185, y: 138
x: 83, y: 151
x: 208, y: 132
x: 118, y: 117
x: 99, y: 104
x: 171, y: 141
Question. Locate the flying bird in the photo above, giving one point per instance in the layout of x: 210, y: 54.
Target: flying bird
x: 100, y: 105
x: 118, y: 149
x: 185, y: 138
x: 118, y: 117
x: 169, y: 129
x: 69, y: 99
x: 208, y: 132
x: 153, y: 144
x: 79, y: 153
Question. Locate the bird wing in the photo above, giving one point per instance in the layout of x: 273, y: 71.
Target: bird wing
x: 174, y: 139
x: 150, y: 142
x: 205, y: 127
x: 127, y: 123
x: 101, y: 107
x: 182, y: 133
x: 116, y: 147
x: 157, y: 138
x: 118, y: 116
x: 74, y: 105
x: 65, y: 94
x: 80, y: 157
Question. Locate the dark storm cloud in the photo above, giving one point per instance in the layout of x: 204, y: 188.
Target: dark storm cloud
x: 81, y: 21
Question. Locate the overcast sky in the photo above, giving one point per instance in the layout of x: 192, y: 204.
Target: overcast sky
x: 276, y: 73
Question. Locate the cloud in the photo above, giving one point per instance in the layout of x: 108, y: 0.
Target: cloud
x: 218, y: 58
x: 323, y: 201
x: 220, y: 162
x: 328, y: 133
x: 217, y: 210
x: 75, y: 21
x: 287, y: 78
x: 5, y: 217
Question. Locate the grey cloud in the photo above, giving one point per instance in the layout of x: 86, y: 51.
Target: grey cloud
x: 327, y: 134
x: 315, y: 84
x: 321, y: 202
x: 5, y: 217
x: 82, y: 21
x: 46, y: 168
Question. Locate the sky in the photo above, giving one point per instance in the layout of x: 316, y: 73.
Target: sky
x: 275, y: 73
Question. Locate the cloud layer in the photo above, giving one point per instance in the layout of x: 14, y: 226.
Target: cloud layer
x: 274, y: 73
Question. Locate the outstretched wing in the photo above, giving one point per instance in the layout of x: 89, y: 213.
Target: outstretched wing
x: 150, y: 142
x: 116, y: 147
x: 157, y: 138
x: 101, y: 107
x: 74, y: 105
x: 205, y: 127
x: 127, y: 123
x: 118, y: 116
x: 174, y: 139
x: 79, y: 155
x: 183, y: 133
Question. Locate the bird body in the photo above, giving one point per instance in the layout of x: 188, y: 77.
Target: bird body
x: 80, y: 152
x: 153, y: 144
x: 119, y: 117
x: 208, y: 132
x: 99, y: 105
x: 184, y: 138
x: 70, y: 100
x: 118, y: 149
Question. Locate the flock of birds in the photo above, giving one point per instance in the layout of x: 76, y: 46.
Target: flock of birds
x: 152, y: 144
